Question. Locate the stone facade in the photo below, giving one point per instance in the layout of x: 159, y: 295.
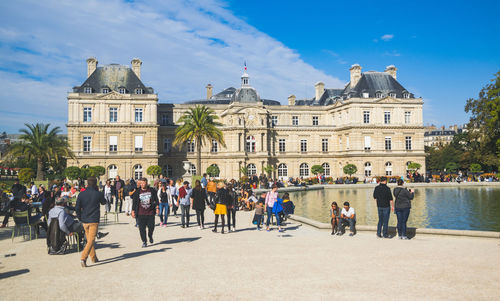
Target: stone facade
x: 377, y: 134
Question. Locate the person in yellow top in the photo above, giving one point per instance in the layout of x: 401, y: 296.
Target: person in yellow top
x: 211, y: 190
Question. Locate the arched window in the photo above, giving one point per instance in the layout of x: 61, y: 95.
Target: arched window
x: 112, y: 171
x: 326, y: 169
x: 282, y: 170
x: 252, y: 170
x: 138, y: 171
x: 250, y: 144
x: 368, y: 169
x: 304, y: 170
x: 388, y: 168
x: 192, y: 170
x: 168, y: 171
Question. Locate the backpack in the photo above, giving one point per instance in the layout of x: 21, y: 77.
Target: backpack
x: 56, y: 239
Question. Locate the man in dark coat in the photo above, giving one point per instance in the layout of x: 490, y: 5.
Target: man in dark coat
x: 382, y: 194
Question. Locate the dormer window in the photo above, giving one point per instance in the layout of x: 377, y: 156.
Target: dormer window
x: 87, y: 90
x: 138, y: 91
x: 122, y: 90
x: 105, y: 90
x: 393, y: 95
x: 366, y: 94
x: 406, y: 95
x: 378, y: 95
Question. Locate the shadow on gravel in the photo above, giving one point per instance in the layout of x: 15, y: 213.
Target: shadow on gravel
x: 13, y: 273
x: 128, y: 256
x: 113, y: 245
x: 178, y: 240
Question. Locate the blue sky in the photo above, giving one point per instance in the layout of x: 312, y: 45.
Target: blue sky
x: 445, y: 51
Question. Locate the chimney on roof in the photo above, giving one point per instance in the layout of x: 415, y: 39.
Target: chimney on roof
x: 320, y: 89
x: 136, y: 67
x: 355, y: 74
x: 391, y: 69
x: 291, y: 100
x: 91, y: 65
x: 209, y: 91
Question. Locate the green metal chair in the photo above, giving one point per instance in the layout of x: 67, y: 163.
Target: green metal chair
x: 21, y: 226
x: 74, y: 240
x: 112, y: 213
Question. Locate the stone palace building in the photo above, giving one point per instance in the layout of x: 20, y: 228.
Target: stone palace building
x: 115, y: 121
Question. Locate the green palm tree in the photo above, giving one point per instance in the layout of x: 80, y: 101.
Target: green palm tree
x: 42, y: 145
x: 198, y: 125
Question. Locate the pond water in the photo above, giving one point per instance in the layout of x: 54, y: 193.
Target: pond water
x: 470, y: 208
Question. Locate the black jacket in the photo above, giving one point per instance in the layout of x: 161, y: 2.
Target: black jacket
x: 383, y: 195
x: 88, y: 209
x: 199, y: 199
x: 222, y: 196
x: 136, y: 201
x: 403, y: 197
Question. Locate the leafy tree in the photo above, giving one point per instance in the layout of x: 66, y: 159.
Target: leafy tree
x: 85, y: 172
x: 199, y: 124
x: 475, y: 168
x: 268, y: 169
x: 317, y: 169
x: 72, y: 172
x: 97, y: 171
x: 154, y: 170
x: 42, y: 145
x: 350, y: 169
x: 213, y: 170
x: 485, y: 122
x: 451, y: 166
x: 25, y: 175
x: 414, y: 166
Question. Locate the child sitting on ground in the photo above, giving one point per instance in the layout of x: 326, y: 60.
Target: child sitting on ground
x: 259, y: 214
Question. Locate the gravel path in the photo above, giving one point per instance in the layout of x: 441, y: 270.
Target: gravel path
x: 302, y: 263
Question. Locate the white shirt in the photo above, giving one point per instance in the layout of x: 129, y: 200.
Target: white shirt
x: 107, y: 189
x: 348, y: 213
x: 34, y: 190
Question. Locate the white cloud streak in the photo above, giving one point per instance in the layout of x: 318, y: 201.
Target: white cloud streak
x: 387, y: 37
x: 183, y: 45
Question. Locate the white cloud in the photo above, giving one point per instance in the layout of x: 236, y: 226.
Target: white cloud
x: 183, y: 45
x: 387, y: 37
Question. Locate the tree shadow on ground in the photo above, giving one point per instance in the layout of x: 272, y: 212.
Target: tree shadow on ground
x: 178, y: 240
x: 13, y: 273
x: 128, y: 256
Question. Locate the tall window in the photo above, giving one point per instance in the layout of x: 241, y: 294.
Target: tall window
x: 368, y: 143
x: 304, y: 170
x: 408, y: 142
x: 87, y: 90
x: 295, y: 120
x: 252, y: 170
x: 368, y: 169
x: 366, y: 116
x: 138, y: 143
x: 326, y: 169
x: 113, y: 114
x: 407, y: 117
x: 303, y: 145
x: 192, y: 170
x: 250, y: 144
x: 315, y: 120
x: 167, y: 145
x: 215, y: 146
x: 388, y: 169
x: 282, y: 170
x: 168, y: 171
x: 387, y: 117
x: 87, y: 114
x: 113, y: 143
x: 138, y: 115
x: 164, y: 119
x: 87, y: 143
x: 138, y: 171
x: 274, y: 121
x: 190, y: 146
x: 324, y: 144
x: 388, y: 143
x: 281, y: 145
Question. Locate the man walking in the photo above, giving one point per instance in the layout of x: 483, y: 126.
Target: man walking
x: 119, y: 196
x: 382, y: 194
x: 144, y: 207
x: 88, y: 212
x: 174, y: 192
x: 185, y: 203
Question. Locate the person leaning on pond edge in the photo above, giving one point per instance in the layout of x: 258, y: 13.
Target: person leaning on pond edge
x: 403, y: 198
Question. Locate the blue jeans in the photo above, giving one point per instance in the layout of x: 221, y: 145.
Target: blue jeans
x: 383, y: 220
x: 269, y: 211
x: 164, y: 210
x: 402, y: 214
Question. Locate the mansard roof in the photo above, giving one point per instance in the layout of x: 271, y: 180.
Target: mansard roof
x: 113, y: 76
x: 372, y: 82
x: 225, y: 97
